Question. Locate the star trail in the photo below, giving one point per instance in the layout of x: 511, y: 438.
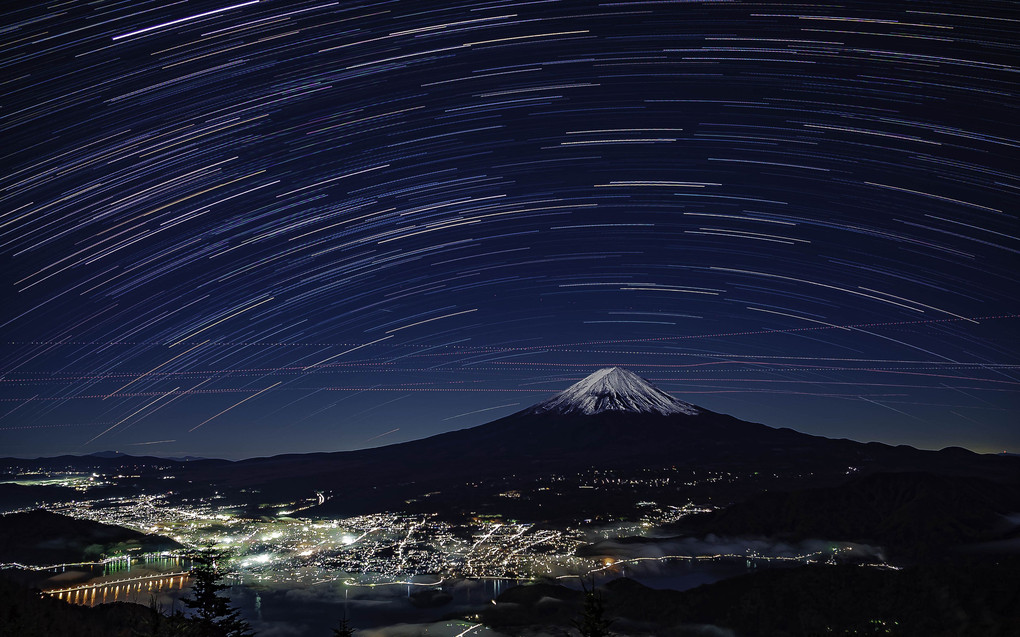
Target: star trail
x: 236, y: 229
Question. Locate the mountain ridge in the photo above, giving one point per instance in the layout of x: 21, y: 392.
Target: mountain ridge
x: 557, y: 437
x: 526, y: 445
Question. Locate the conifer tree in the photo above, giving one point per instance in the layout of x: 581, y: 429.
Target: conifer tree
x: 344, y: 629
x: 592, y: 621
x: 160, y: 623
x: 212, y: 614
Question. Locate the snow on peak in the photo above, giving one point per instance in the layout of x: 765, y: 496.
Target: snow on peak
x: 613, y: 389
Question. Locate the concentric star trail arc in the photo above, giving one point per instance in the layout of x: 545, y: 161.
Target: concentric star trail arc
x: 782, y: 212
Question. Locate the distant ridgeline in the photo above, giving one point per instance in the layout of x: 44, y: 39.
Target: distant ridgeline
x: 613, y: 419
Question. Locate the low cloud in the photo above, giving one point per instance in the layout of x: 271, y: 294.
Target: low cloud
x: 436, y: 629
x: 279, y: 629
x: 712, y: 546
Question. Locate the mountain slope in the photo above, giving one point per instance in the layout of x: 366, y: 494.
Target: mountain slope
x: 610, y: 420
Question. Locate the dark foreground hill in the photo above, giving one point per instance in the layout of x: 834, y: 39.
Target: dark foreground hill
x: 26, y: 613
x: 41, y: 537
x: 975, y: 599
x: 912, y: 515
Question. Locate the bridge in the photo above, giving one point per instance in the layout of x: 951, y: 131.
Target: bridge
x: 97, y: 592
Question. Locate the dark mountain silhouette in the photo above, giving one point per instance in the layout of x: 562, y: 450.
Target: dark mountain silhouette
x: 19, y: 496
x: 973, y: 599
x: 108, y: 454
x: 913, y: 515
x: 24, y: 612
x: 612, y: 419
x: 40, y: 538
x: 103, y: 460
x: 120, y: 455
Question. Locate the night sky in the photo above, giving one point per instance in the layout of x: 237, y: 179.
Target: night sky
x: 264, y: 227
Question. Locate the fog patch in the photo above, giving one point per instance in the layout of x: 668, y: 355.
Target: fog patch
x: 279, y: 629
x: 712, y: 546
x: 706, y: 630
x: 436, y: 629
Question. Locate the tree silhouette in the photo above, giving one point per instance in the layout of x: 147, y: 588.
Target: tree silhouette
x: 213, y: 616
x: 160, y: 623
x: 592, y: 621
x: 344, y: 629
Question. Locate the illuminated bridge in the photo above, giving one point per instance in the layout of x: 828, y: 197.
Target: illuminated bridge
x: 119, y: 590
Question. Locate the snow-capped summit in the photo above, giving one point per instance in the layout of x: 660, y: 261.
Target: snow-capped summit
x: 613, y: 389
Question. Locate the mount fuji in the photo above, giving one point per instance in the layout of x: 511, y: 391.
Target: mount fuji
x: 612, y: 420
x: 613, y: 389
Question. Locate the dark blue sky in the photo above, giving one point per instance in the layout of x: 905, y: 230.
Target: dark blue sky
x: 262, y: 227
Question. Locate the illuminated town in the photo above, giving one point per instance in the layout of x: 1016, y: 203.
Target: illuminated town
x: 366, y: 550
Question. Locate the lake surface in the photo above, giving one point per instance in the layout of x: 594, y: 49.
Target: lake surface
x: 312, y: 604
x: 133, y: 580
x: 277, y: 610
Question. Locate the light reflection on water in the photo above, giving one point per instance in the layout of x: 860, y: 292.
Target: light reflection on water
x: 137, y: 590
x: 136, y: 580
x: 313, y: 609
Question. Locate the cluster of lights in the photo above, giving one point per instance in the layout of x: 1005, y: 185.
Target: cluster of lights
x: 384, y: 548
